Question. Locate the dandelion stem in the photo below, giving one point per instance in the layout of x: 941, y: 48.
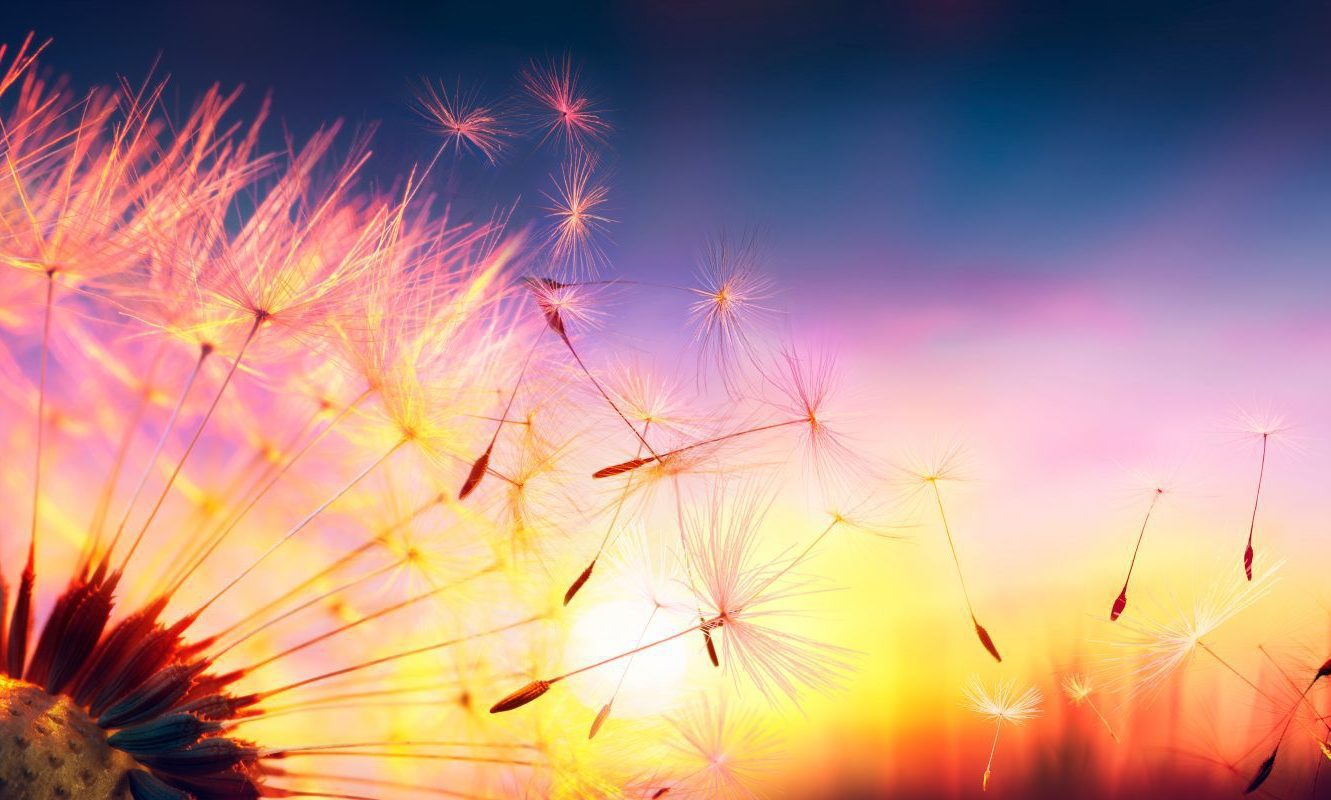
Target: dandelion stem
x: 629, y: 466
x: 609, y: 530
x: 803, y: 555
x: 17, y: 650
x: 122, y: 453
x: 623, y: 675
x: 194, y: 440
x: 689, y: 571
x: 335, y: 699
x: 380, y: 782
x: 947, y: 531
x: 273, y: 480
x: 481, y: 466
x: 346, y: 587
x: 1257, y: 498
x: 41, y: 409
x: 204, y: 352
x: 299, y: 526
x: 1303, y: 693
x: 988, y: 767
x: 394, y: 657
x: 604, y: 394
x: 980, y: 631
x: 1237, y: 674
x: 640, y: 648
x: 1108, y: 727
x: 331, y: 751
x: 383, y: 612
x: 332, y: 568
x: 623, y: 496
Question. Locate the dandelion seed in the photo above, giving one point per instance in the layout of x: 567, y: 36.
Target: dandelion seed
x: 731, y: 296
x: 1001, y: 705
x: 1078, y: 688
x: 578, y: 220
x: 806, y: 385
x: 1267, y: 765
x: 1265, y: 428
x: 463, y: 123
x: 1157, y: 645
x: 1121, y: 602
x: 740, y: 598
x: 552, y: 297
x: 643, y: 569
x: 945, y: 469
x: 563, y: 111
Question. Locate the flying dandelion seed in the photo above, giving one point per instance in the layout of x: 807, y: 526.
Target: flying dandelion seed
x: 946, y: 468
x: 732, y: 293
x: 1158, y: 644
x: 463, y: 122
x: 1268, y: 764
x: 806, y: 385
x: 647, y: 405
x: 1078, y: 688
x: 577, y: 221
x: 1001, y: 705
x: 559, y: 304
x: 740, y: 598
x: 1265, y: 428
x: 562, y: 110
x: 1121, y: 602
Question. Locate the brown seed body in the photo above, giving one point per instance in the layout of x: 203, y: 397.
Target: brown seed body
x: 578, y: 584
x: 987, y: 641
x: 521, y: 697
x: 474, y: 477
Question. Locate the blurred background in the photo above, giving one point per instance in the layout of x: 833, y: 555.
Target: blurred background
x: 1075, y: 242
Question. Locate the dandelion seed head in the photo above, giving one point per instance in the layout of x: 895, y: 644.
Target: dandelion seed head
x: 562, y: 109
x: 1077, y: 687
x: 577, y: 221
x: 731, y: 307
x: 1003, y: 702
x: 463, y: 122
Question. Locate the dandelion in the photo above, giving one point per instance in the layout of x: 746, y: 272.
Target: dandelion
x: 268, y: 369
x: 1121, y: 602
x: 1002, y: 705
x: 113, y: 696
x: 1078, y: 688
x: 731, y: 294
x: 944, y: 469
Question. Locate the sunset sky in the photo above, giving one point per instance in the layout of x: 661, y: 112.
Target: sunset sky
x: 1073, y: 245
